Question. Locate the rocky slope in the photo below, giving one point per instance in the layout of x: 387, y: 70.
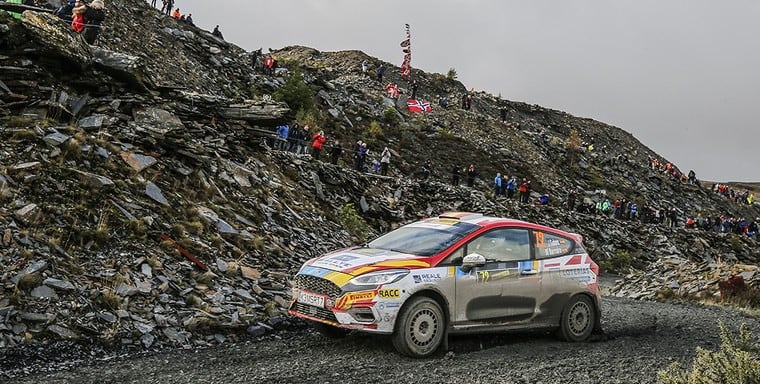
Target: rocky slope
x: 143, y: 206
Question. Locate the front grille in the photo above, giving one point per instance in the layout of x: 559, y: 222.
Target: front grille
x: 317, y: 285
x: 313, y: 311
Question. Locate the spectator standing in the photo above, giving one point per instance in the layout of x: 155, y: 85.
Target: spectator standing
x: 415, y: 85
x: 455, y: 175
x: 471, y: 175
x: 168, y: 6
x: 303, y: 141
x: 427, y: 169
x: 94, y: 15
x: 77, y: 20
x: 571, y: 200
x: 523, y: 188
x: 268, y: 65
x: 293, y: 136
x: 216, y: 32
x: 282, y: 137
x: 317, y: 143
x: 497, y: 184
x: 357, y: 155
x: 385, y: 160
x: 466, y: 101
x: 335, y: 151
x: 363, y: 152
x: 511, y: 187
x: 503, y: 114
x: 380, y: 72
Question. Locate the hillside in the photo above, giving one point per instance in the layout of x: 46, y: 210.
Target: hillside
x: 143, y: 204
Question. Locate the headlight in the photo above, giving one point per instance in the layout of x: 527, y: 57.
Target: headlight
x: 378, y: 278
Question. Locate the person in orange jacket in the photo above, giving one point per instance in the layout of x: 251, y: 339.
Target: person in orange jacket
x: 316, y: 146
x: 176, y: 15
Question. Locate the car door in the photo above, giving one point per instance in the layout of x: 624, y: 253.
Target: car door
x: 505, y: 288
x: 565, y: 271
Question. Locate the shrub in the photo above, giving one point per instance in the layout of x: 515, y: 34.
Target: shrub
x: 353, y: 222
x: 374, y: 130
x: 295, y: 92
x: 573, y: 147
x: 452, y: 74
x: 619, y: 263
x: 736, y: 362
x: 736, y: 244
x: 735, y: 291
x: 308, y: 117
x: 390, y: 117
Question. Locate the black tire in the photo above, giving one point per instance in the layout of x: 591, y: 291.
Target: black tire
x: 578, y: 319
x: 420, y: 327
x: 329, y: 331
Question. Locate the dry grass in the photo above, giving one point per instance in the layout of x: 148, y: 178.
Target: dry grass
x: 109, y: 299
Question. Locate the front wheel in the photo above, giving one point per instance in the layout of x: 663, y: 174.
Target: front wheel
x: 578, y: 319
x: 420, y: 327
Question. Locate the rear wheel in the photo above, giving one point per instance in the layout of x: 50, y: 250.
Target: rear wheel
x: 578, y: 319
x: 329, y: 331
x: 420, y: 327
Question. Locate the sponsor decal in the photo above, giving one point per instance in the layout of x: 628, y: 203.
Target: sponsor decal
x: 426, y: 277
x: 582, y: 275
x: 339, y: 261
x: 392, y: 305
x: 354, y: 297
x: 360, y: 296
x: 486, y: 276
x: 574, y: 272
x: 393, y: 293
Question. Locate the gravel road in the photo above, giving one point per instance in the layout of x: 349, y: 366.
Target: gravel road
x: 640, y: 339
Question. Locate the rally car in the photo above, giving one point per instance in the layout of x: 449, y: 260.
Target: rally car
x: 456, y: 273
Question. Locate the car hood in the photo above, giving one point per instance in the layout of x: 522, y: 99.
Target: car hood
x: 356, y: 261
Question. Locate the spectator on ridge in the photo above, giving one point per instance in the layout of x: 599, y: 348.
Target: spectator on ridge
x: 176, y: 14
x: 216, y: 32
x: 380, y: 72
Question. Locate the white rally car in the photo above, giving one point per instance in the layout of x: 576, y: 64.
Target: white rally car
x: 455, y: 273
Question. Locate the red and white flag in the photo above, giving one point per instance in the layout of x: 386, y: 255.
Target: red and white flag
x: 418, y: 106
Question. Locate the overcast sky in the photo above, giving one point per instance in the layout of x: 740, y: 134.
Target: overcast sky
x: 680, y: 75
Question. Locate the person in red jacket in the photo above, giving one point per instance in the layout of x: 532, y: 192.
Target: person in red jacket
x: 77, y: 22
x: 316, y: 146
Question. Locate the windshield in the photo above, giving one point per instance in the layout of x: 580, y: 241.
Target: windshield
x: 421, y: 239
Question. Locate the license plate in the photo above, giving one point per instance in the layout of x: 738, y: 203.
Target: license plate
x: 311, y: 299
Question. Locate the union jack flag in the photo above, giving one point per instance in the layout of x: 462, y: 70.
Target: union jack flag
x: 418, y: 105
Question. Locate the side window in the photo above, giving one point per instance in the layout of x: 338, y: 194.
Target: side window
x: 455, y: 258
x: 505, y: 244
x: 550, y: 245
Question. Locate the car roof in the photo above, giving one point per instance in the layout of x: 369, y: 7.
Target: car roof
x: 492, y: 221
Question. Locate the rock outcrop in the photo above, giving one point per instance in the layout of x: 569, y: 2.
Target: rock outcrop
x: 143, y: 204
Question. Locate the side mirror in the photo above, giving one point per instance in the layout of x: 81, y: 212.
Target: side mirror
x: 472, y: 260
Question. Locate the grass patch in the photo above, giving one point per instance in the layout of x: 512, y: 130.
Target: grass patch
x: 736, y: 362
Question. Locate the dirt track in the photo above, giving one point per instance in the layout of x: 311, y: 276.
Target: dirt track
x: 641, y: 339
